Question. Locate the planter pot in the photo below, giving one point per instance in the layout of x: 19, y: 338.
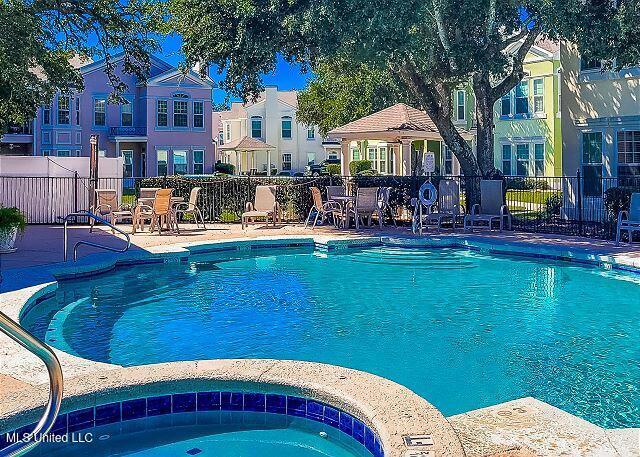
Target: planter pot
x: 8, y: 239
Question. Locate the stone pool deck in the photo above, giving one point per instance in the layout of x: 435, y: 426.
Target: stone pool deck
x: 521, y: 427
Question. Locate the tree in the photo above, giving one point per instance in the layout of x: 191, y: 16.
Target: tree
x: 429, y: 46
x: 41, y: 37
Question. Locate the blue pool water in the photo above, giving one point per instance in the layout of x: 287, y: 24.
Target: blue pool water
x: 462, y: 329
x: 212, y: 434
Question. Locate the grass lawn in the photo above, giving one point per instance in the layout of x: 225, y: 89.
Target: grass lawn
x: 538, y: 197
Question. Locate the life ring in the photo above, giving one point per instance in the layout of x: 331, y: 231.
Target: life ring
x: 431, y: 198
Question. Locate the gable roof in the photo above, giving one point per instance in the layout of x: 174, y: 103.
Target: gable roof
x: 99, y: 64
x: 191, y: 76
x: 247, y: 144
x: 237, y: 111
x: 399, y: 117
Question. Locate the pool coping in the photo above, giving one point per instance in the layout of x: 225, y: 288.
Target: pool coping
x: 15, y: 303
x: 389, y: 409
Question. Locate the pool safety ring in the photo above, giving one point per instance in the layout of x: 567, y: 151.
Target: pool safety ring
x: 433, y: 194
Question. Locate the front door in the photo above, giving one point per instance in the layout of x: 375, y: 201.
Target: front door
x: 127, y: 158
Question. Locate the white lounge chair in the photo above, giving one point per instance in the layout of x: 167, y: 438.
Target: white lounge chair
x: 366, y: 205
x: 191, y: 207
x: 629, y: 221
x: 107, y: 207
x: 490, y: 209
x: 264, y: 205
x: 449, y: 206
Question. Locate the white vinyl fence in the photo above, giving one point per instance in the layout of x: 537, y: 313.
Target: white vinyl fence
x: 47, y: 188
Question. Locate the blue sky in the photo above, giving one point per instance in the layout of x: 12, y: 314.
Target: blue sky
x: 286, y: 76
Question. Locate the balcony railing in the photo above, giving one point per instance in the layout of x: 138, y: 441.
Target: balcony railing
x: 127, y: 131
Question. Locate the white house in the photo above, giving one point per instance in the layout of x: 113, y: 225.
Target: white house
x: 266, y: 131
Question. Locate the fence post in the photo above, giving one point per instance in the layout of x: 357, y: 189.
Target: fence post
x: 75, y: 191
x: 579, y: 201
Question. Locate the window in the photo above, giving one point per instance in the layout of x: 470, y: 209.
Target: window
x: 162, y: 162
x: 180, y: 162
x: 505, y: 105
x: 64, y: 153
x: 311, y: 132
x: 538, y: 95
x: 46, y: 115
x: 46, y: 152
x: 311, y: 158
x: 64, y: 103
x: 99, y: 111
x: 198, y: 162
x: 460, y: 106
x: 539, y: 158
x: 522, y: 160
x: 592, y: 164
x: 221, y: 137
x: 77, y: 110
x: 383, y: 160
x: 506, y: 159
x: 522, y: 98
x: 198, y: 115
x: 127, y: 163
x: 286, y: 162
x: 373, y: 155
x: 256, y: 127
x: 179, y: 113
x: 447, y: 160
x: 228, y: 132
x: 286, y: 127
x: 629, y: 148
x: 162, y: 113
x: 355, y: 154
x: 332, y: 156
x: 126, y: 114
x: 590, y: 64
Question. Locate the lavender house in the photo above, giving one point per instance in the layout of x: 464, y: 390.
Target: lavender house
x: 165, y: 126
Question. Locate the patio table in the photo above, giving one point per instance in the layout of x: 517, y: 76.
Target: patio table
x: 343, y: 201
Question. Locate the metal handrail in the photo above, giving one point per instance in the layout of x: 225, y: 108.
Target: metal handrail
x: 17, y: 333
x: 96, y: 218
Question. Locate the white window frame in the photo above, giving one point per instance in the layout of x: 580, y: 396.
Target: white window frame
x: 198, y: 116
x: 228, y: 128
x: 180, y: 153
x: 197, y: 163
x: 311, y: 133
x: 100, y: 107
x: 162, y: 156
x: 46, y: 115
x: 539, y: 96
x: 126, y: 111
x: 127, y: 154
x: 526, y: 97
x: 284, y: 119
x: 164, y: 112
x: 635, y: 147
x: 459, y: 106
x: 287, y: 163
x: 64, y: 111
x: 77, y: 99
x: 181, y: 113
x: 259, y: 120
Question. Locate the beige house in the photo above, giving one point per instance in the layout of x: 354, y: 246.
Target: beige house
x: 396, y: 140
x: 266, y: 131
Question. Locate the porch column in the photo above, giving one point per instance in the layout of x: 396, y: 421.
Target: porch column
x: 117, y: 148
x: 406, y: 158
x: 238, y: 163
x: 268, y: 162
x: 345, y: 158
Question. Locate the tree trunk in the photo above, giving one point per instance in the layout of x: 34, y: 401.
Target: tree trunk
x: 482, y: 90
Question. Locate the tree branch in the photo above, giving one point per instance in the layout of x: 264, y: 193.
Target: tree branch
x: 491, y: 22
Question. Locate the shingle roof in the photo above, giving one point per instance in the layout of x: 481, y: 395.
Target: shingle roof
x: 548, y: 45
x: 396, y: 117
x: 247, y: 144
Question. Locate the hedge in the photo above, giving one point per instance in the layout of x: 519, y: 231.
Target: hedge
x: 358, y: 166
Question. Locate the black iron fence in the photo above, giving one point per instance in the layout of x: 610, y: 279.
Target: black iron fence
x: 560, y: 205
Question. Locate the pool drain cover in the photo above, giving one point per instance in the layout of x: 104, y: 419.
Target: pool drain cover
x: 194, y: 451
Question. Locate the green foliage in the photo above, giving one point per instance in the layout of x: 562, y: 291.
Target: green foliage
x: 333, y: 169
x: 11, y: 218
x: 553, y: 204
x: 527, y: 184
x: 44, y: 40
x: 358, y: 166
x: 342, y: 92
x: 618, y: 199
x: 225, y: 168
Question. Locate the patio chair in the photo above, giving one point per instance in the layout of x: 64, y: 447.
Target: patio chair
x: 108, y: 208
x: 161, y: 213
x: 366, y: 205
x: 322, y: 209
x: 335, y: 191
x: 490, y: 209
x: 449, y: 206
x: 629, y: 221
x: 384, y: 196
x: 191, y: 207
x: 264, y: 205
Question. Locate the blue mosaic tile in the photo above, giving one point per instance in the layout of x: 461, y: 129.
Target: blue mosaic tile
x: 377, y: 451
x: 231, y: 401
x: 358, y: 431
x: 346, y: 423
x: 26, y: 429
x: 108, y: 414
x: 331, y: 416
x: 184, y: 403
x: 157, y: 406
x: 276, y: 404
x: 254, y: 402
x: 208, y: 401
x: 369, y: 439
x: 194, y: 451
x: 60, y: 425
x: 315, y: 410
x: 296, y: 406
x: 3, y: 441
x: 134, y: 409
x: 80, y: 420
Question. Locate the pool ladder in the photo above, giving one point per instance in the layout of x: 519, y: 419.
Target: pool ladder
x: 21, y: 336
x: 96, y: 218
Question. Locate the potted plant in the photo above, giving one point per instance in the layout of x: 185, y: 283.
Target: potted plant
x: 12, y: 221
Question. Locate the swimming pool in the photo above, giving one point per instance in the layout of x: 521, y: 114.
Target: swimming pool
x: 462, y: 329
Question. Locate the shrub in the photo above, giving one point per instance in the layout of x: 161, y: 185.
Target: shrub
x: 553, y: 204
x: 618, y: 199
x: 528, y: 184
x: 358, y: 166
x: 334, y: 169
x: 370, y: 172
x: 10, y: 218
x: 225, y: 168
